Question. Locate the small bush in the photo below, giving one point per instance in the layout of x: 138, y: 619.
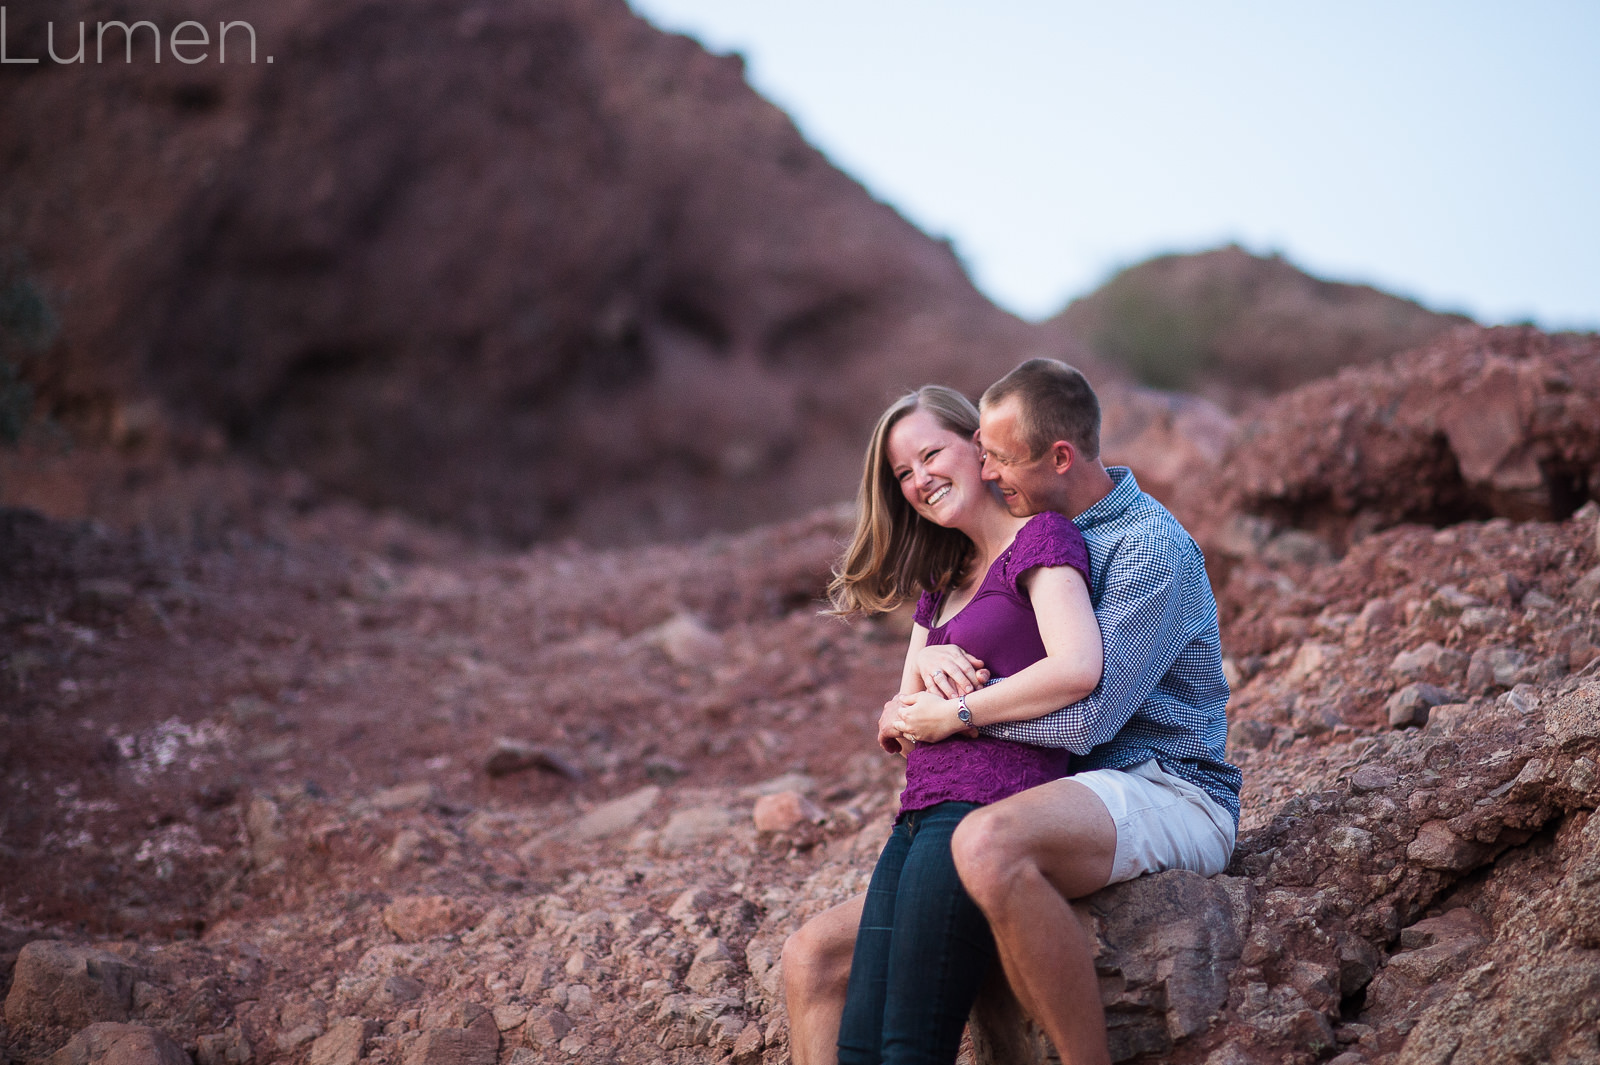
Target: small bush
x: 1165, y: 339
x: 27, y: 328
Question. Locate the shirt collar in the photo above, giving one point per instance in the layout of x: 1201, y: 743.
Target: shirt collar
x: 1124, y: 490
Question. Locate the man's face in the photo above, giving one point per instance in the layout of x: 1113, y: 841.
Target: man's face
x: 1028, y: 483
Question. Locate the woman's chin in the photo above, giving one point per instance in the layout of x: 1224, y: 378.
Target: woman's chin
x: 952, y: 514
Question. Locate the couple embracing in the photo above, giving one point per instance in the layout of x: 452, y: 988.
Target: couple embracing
x: 1061, y: 711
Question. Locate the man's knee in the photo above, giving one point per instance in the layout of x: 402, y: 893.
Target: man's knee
x: 816, y: 957
x: 987, y: 854
x: 799, y: 960
x: 1060, y: 833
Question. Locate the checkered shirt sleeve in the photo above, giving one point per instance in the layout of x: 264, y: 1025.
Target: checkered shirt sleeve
x: 1162, y: 694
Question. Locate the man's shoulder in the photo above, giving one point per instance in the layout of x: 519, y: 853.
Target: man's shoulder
x: 1136, y: 541
x: 1145, y: 523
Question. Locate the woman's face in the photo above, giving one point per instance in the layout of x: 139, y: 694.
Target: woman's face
x: 938, y: 470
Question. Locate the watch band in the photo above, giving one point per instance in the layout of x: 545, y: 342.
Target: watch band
x: 962, y: 713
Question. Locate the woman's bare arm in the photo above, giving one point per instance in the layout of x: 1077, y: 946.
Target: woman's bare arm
x: 910, y: 683
x: 1069, y: 671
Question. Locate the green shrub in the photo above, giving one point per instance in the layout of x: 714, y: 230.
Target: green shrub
x: 27, y: 329
x: 1164, y: 338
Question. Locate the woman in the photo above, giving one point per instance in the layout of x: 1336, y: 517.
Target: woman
x: 1011, y: 591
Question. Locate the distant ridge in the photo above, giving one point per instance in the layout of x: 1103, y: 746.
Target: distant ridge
x: 1234, y: 327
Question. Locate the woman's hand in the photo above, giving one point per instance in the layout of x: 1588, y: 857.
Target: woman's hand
x: 889, y: 736
x: 949, y: 671
x: 926, y: 718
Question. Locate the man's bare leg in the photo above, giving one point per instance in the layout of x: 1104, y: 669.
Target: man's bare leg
x: 816, y: 975
x: 1022, y: 860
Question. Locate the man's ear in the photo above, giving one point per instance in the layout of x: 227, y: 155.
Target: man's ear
x: 1062, y: 456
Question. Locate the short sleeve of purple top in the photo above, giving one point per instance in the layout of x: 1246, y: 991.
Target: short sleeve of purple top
x: 998, y: 625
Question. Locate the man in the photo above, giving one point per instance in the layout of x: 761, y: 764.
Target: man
x: 1151, y: 789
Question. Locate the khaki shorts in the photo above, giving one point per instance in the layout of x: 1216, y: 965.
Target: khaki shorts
x: 1163, y: 821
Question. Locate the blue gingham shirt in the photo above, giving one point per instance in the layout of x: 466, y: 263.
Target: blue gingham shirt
x: 1162, y: 694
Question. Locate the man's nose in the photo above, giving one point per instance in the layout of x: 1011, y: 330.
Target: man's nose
x: 989, y: 471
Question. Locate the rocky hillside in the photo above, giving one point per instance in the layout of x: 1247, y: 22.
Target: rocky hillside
x: 1236, y: 327
x: 356, y: 792
x: 1481, y: 423
x: 524, y: 273
x: 523, y: 270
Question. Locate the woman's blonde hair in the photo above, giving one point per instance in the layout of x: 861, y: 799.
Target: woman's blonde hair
x: 896, y: 553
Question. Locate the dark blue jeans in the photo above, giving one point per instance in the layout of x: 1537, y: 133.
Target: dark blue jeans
x: 921, y: 953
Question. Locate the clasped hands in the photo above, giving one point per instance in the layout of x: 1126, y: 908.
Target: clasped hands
x: 929, y: 716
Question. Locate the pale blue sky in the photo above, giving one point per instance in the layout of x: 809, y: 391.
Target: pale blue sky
x: 1445, y: 151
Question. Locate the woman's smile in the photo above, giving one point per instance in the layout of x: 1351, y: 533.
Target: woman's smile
x: 930, y: 462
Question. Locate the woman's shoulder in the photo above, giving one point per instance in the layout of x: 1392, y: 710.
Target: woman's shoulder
x: 1048, y: 539
x: 1051, y: 522
x: 927, y: 610
x: 1047, y: 529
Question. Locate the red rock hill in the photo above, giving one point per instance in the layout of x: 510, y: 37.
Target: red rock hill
x: 526, y: 270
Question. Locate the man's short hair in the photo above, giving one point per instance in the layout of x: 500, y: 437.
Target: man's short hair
x: 1054, y: 402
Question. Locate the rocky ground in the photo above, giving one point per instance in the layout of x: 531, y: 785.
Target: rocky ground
x: 308, y: 803
x: 345, y: 789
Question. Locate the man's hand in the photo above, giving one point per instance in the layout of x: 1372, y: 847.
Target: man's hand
x: 949, y: 671
x: 927, y: 718
x: 889, y: 736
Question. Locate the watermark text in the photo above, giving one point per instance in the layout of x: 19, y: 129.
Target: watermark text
x: 189, y: 42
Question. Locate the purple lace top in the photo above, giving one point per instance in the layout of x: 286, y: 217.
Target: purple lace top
x: 997, y: 625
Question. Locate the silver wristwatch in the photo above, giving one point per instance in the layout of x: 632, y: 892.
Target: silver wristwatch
x: 962, y: 713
